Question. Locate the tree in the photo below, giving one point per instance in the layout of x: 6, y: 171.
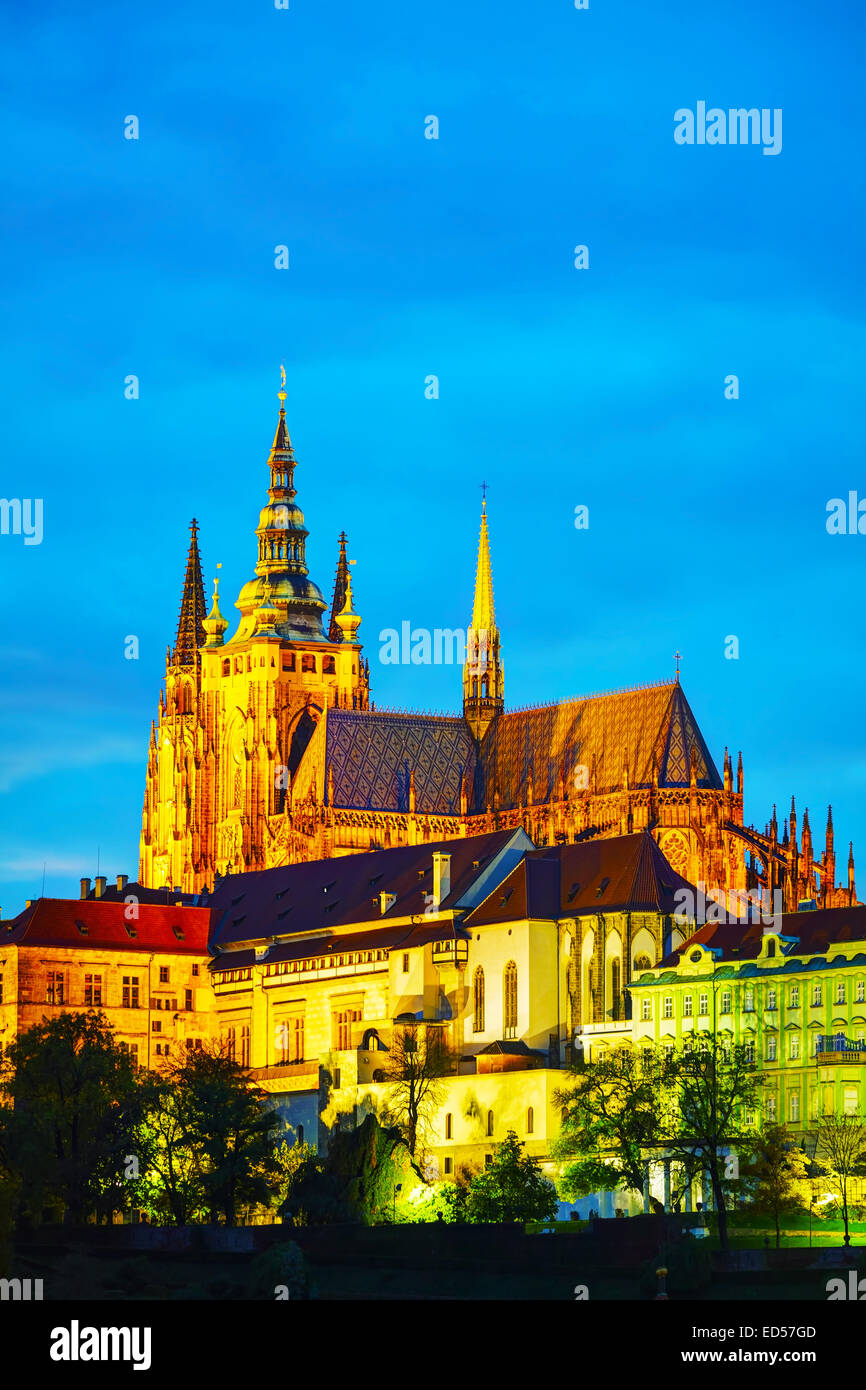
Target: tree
x: 611, y: 1113
x: 418, y: 1060
x: 841, y: 1151
x: 229, y: 1125
x: 512, y: 1188
x: 708, y: 1084
x: 73, y: 1104
x: 171, y: 1185
x: 778, y: 1171
x: 357, y: 1180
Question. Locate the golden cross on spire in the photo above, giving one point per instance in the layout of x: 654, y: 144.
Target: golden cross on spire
x: 282, y: 393
x: 677, y: 659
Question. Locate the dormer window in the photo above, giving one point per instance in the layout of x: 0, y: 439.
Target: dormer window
x: 601, y: 887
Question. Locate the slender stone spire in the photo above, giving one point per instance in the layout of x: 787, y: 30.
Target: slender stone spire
x: 483, y: 671
x: 483, y: 617
x: 341, y: 583
x: 190, y: 632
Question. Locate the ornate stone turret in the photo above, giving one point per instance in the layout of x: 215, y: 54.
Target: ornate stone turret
x: 190, y: 632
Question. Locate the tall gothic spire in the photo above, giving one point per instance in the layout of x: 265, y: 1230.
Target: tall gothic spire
x: 483, y: 673
x: 483, y: 618
x: 190, y: 632
x: 341, y: 584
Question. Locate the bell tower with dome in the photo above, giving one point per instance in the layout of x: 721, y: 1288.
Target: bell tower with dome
x: 225, y: 790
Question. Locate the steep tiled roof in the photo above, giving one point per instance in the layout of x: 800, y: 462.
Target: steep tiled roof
x: 372, y: 754
x: 103, y: 925
x: 623, y: 873
x: 602, y: 731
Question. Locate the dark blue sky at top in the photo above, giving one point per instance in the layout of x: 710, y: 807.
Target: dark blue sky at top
x: 411, y: 257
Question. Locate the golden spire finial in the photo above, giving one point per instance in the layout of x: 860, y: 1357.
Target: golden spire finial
x: 282, y: 394
x: 216, y: 582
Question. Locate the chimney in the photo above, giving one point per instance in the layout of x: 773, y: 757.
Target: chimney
x: 122, y: 880
x: 441, y: 879
x: 386, y: 900
x: 85, y: 887
x: 99, y: 885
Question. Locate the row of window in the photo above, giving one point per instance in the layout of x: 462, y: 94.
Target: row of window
x: 57, y: 992
x: 162, y: 1049
x: 794, y: 1044
x: 850, y: 1105
x: 771, y: 1001
x: 491, y: 1121
x: 308, y: 664
x: 301, y: 967
x: 509, y: 1000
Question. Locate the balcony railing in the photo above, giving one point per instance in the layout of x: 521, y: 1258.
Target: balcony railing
x: 836, y: 1047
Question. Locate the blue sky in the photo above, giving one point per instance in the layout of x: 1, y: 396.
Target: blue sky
x: 412, y: 257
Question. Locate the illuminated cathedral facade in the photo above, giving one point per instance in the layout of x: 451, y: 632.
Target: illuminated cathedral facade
x: 267, y: 751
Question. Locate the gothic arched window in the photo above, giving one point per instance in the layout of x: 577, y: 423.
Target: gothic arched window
x: 509, y: 1000
x: 478, y: 1001
x: 530, y: 1121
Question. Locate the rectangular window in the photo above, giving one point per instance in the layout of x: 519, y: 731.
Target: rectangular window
x: 817, y: 996
x: 749, y: 1001
x: 771, y: 1049
x: 54, y: 987
x: 771, y: 999
x: 195, y: 970
x: 668, y: 1008
x: 488, y: 1160
x: 449, y: 1126
x: 156, y: 1026
x: 245, y: 1046
x: 448, y: 1165
x: 187, y: 1000
x: 645, y: 1008
x: 405, y: 962
x: 726, y: 1001
x: 861, y: 991
x: 129, y: 996
x: 687, y: 1006
x: 795, y: 996
x: 771, y: 1109
x: 702, y: 1004
x: 343, y: 1027
x: 749, y: 1051
x: 840, y: 992
x: 298, y: 1038
x: 163, y: 974
x: 795, y: 1049
x: 93, y: 991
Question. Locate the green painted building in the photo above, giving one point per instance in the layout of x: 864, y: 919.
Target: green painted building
x: 793, y: 992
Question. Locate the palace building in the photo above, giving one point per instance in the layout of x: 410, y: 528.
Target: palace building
x: 793, y: 994
x: 144, y: 965
x: 267, y: 750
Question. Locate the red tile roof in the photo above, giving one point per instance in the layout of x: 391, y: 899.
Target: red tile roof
x: 55, y: 922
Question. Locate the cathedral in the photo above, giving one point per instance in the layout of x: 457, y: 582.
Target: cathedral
x: 267, y: 750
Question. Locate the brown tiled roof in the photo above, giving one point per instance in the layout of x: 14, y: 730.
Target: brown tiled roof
x: 813, y: 933
x: 622, y: 873
x: 603, y: 732
x: 331, y: 893
x: 59, y: 922
x: 393, y: 936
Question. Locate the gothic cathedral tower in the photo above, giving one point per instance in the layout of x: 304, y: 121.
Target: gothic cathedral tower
x: 223, y: 791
